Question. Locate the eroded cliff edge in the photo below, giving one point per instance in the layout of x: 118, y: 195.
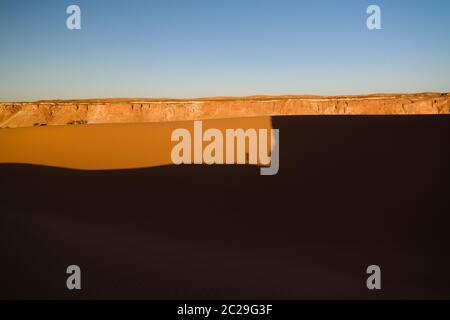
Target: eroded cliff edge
x: 102, y: 111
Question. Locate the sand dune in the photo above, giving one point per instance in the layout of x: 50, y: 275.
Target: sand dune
x: 135, y: 133
x: 351, y: 191
x: 105, y: 146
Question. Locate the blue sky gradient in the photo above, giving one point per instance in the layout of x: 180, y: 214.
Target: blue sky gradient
x: 197, y: 48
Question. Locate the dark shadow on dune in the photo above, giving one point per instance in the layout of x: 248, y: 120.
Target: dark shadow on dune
x: 351, y: 192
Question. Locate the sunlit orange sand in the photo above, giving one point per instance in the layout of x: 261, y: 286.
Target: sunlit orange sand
x: 104, y: 146
x: 135, y: 133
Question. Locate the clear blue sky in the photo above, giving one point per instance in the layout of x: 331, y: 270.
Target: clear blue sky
x: 194, y: 48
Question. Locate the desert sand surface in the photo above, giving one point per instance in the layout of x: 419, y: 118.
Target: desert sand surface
x: 106, y: 146
x: 143, y: 110
x: 350, y: 191
x: 106, y: 134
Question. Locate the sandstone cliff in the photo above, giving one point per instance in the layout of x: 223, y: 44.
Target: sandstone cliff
x: 72, y: 112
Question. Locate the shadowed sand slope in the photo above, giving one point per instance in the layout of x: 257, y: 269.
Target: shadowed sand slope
x: 351, y: 192
x: 96, y: 111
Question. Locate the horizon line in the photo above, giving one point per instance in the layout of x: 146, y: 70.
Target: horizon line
x: 228, y: 98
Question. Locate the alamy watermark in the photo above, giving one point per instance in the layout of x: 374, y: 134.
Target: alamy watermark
x: 374, y: 20
x: 73, y: 21
x: 374, y: 280
x: 237, y: 150
x: 73, y: 281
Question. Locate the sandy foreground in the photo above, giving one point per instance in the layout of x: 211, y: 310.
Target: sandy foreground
x: 351, y: 191
x: 101, y: 111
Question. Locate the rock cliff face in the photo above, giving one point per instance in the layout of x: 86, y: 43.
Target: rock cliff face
x: 73, y: 112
